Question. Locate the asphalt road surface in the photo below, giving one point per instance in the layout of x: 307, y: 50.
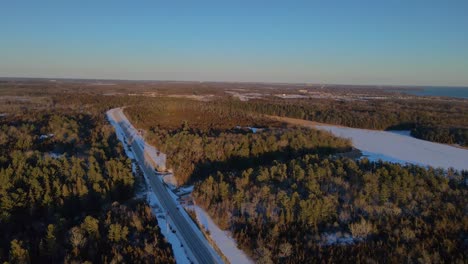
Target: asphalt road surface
x: 190, y: 239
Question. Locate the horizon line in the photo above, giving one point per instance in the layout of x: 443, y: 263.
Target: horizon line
x: 224, y: 81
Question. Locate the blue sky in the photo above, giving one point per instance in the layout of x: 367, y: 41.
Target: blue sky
x: 351, y: 42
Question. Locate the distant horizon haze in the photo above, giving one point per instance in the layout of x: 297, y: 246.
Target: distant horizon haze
x: 399, y: 86
x: 363, y: 42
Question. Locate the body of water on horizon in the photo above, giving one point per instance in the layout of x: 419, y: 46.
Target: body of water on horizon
x: 458, y: 92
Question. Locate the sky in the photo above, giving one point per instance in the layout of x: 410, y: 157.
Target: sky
x: 379, y: 42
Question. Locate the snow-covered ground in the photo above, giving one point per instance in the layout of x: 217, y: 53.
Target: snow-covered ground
x: 335, y: 239
x: 225, y: 242
x: 164, y: 224
x: 158, y: 158
x: 245, y: 96
x: 401, y: 132
x: 46, y: 136
x: 291, y: 96
x: 401, y: 148
x: 55, y: 155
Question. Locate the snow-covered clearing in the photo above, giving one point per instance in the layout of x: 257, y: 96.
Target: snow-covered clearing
x: 401, y: 148
x: 245, y: 96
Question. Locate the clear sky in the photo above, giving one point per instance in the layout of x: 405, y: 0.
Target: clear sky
x: 406, y: 42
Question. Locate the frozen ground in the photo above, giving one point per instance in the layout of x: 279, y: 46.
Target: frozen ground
x: 223, y: 240
x: 402, y: 148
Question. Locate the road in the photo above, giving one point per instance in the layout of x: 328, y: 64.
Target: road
x: 190, y: 238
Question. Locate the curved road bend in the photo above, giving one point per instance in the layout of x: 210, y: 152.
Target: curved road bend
x: 199, y: 249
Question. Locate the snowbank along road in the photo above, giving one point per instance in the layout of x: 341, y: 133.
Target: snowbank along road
x: 198, y: 248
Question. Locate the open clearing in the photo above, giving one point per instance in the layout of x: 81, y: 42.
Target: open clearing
x: 394, y: 147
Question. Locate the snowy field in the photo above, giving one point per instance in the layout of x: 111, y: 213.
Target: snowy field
x: 400, y: 147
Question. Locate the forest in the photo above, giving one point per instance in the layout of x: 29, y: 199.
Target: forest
x: 198, y: 137
x: 66, y: 189
x: 288, y: 195
x: 313, y: 209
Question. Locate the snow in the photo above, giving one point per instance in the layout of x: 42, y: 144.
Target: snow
x: 253, y: 129
x: 46, y: 136
x: 334, y: 239
x: 165, y: 226
x: 184, y: 190
x: 398, y: 147
x: 225, y: 242
x: 158, y: 158
x: 169, y: 180
x: 401, y: 132
x: 245, y: 96
x: 377, y: 156
x: 55, y: 155
x: 129, y: 153
x: 291, y: 96
x: 180, y: 254
x: 193, y: 225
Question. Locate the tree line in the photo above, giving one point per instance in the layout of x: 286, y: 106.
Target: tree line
x: 198, y: 137
x: 443, y: 122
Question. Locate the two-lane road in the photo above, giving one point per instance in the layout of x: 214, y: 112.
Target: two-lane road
x: 198, y: 246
